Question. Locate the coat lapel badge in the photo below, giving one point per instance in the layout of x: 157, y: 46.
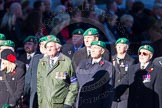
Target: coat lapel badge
x: 126, y: 67
x: 69, y: 52
x: 43, y: 63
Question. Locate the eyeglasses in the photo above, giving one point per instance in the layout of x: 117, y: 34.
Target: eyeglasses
x: 143, y: 53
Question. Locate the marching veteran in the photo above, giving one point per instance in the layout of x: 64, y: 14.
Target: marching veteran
x: 57, y: 85
x: 12, y: 79
x: 76, y: 43
x: 96, y: 79
x: 141, y: 81
x: 90, y: 35
x: 30, y: 89
x: 121, y: 61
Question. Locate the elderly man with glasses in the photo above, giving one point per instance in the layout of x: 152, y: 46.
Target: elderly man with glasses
x: 141, y: 81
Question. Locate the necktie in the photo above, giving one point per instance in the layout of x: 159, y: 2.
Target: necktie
x: 52, y: 63
x: 142, y: 67
x: 89, y: 52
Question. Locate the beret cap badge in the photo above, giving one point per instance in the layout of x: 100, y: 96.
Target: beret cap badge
x: 79, y: 32
x: 89, y: 33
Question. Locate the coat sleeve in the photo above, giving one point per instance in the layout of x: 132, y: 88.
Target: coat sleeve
x: 158, y: 87
x: 19, y: 86
x: 28, y: 76
x: 73, y: 88
x: 39, y: 79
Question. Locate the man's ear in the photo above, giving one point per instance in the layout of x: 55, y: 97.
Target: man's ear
x: 127, y: 47
x: 102, y: 51
x: 151, y: 55
x: 96, y: 38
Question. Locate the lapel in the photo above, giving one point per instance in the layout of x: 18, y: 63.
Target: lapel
x: 127, y: 59
x: 150, y: 68
x: 61, y: 58
x: 116, y: 65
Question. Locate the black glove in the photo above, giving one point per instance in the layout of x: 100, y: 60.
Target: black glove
x: 67, y: 106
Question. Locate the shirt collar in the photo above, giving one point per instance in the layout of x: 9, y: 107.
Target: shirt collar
x: 32, y: 54
x: 96, y: 60
x: 143, y: 66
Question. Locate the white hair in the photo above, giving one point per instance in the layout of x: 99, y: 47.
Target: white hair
x: 58, y: 46
x: 124, y: 18
x: 60, y: 9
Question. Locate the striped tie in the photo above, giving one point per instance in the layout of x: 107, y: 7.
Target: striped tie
x: 52, y: 63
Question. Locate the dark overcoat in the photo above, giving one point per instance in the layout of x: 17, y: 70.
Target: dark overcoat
x: 68, y: 50
x: 158, y: 61
x: 16, y: 80
x: 31, y: 80
x: 141, y: 84
x: 95, y: 84
x: 121, y: 68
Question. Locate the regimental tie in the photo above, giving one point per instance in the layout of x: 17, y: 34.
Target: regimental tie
x: 142, y: 67
x: 52, y: 63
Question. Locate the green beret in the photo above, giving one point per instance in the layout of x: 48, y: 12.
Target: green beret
x: 90, y: 32
x: 30, y: 39
x: 122, y: 41
x: 46, y: 38
x: 78, y: 31
x: 146, y: 47
x: 56, y: 40
x: 6, y: 106
x: 7, y: 43
x: 2, y: 36
x: 99, y: 43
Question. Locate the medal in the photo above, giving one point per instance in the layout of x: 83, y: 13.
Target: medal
x: 126, y: 67
x: 122, y: 64
x: 146, y: 78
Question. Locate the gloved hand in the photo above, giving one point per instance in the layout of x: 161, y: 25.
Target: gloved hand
x: 67, y: 106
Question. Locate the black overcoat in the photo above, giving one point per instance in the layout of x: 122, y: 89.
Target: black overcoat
x: 16, y: 80
x: 95, y: 84
x: 141, y: 84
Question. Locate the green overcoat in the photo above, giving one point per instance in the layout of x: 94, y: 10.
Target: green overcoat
x: 58, y: 85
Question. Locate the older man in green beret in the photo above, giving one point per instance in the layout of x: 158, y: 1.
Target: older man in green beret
x: 121, y: 61
x: 141, y: 81
x: 96, y: 79
x: 57, y: 85
x: 76, y: 43
x: 30, y: 89
x: 90, y: 35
